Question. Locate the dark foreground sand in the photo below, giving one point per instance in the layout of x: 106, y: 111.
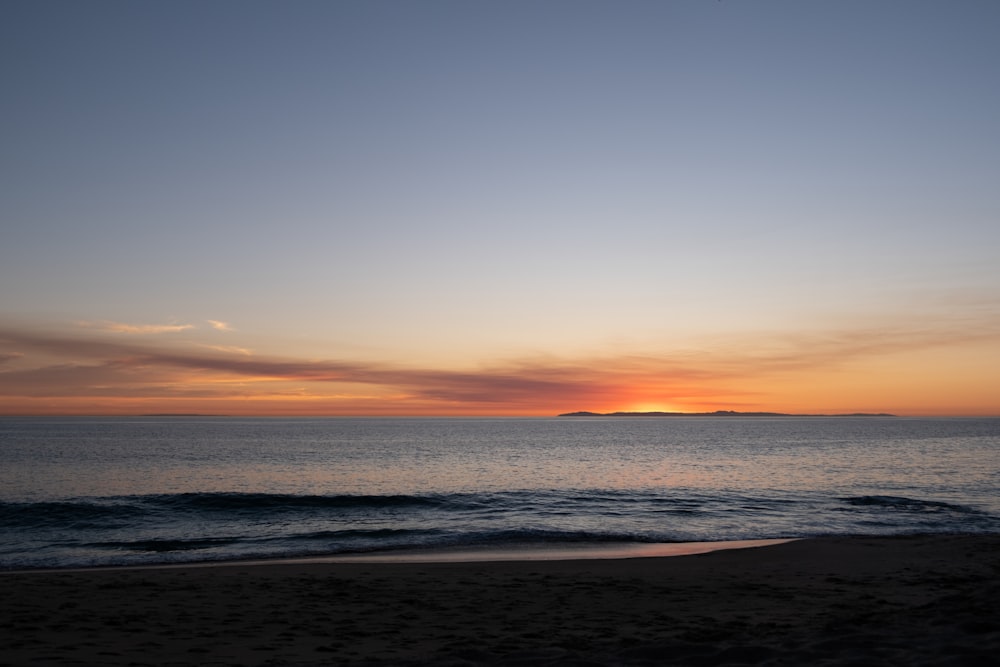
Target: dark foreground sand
x: 862, y: 601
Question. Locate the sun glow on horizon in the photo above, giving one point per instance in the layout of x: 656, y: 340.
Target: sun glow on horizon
x: 657, y: 406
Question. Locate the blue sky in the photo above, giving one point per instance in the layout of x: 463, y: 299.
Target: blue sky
x: 463, y: 184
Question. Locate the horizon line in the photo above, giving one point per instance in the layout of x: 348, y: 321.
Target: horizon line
x: 580, y: 413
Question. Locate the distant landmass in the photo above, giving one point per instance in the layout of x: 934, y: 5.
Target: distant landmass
x: 717, y: 413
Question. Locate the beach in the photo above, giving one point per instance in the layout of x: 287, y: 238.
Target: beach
x: 842, y: 600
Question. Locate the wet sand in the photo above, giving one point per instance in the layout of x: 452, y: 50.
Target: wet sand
x: 929, y: 600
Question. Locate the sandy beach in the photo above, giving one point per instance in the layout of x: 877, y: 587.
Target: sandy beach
x: 928, y: 600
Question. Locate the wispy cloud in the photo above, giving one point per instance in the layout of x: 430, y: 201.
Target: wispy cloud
x: 81, y: 365
x: 228, y: 348
x: 121, y: 327
x: 218, y: 325
x: 109, y: 362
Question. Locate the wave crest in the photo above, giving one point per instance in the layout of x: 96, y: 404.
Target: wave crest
x: 903, y: 504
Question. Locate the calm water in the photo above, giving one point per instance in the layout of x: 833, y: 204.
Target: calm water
x: 89, y: 491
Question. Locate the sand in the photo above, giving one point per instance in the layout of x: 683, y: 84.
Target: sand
x: 928, y: 600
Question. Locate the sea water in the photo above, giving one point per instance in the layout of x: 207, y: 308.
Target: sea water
x: 141, y: 490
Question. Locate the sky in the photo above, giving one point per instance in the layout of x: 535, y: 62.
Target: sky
x: 499, y: 208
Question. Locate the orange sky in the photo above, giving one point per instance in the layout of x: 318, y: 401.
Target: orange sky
x: 111, y: 368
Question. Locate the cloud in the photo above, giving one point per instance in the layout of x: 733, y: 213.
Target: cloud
x: 107, y: 361
x: 219, y: 325
x: 120, y: 327
x: 725, y: 373
x: 228, y: 348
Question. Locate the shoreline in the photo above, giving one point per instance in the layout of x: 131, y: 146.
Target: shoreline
x: 924, y: 599
x: 458, y: 554
x: 525, y: 553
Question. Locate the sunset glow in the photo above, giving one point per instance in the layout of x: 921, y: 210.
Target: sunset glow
x: 83, y: 372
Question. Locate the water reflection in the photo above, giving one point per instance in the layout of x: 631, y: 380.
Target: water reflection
x: 426, y: 456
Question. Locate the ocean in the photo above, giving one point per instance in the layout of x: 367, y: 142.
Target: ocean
x: 78, y: 492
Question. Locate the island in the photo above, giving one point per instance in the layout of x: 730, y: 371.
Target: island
x: 717, y: 413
